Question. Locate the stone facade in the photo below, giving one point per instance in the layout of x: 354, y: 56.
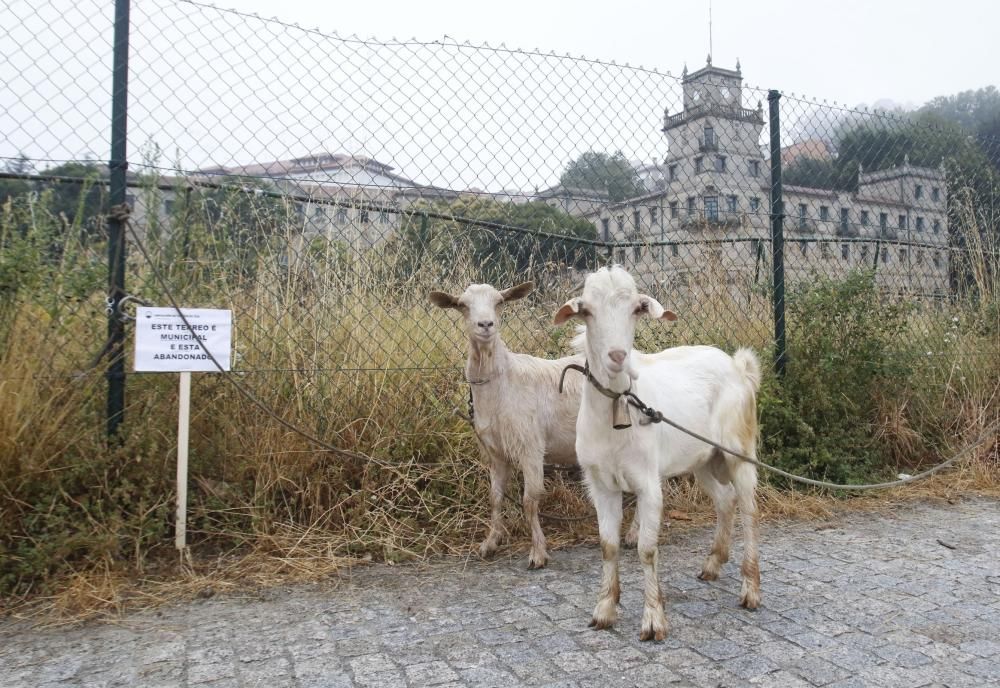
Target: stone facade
x: 342, y: 198
x: 713, y: 209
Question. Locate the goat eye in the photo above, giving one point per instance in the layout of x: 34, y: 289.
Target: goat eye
x: 643, y: 307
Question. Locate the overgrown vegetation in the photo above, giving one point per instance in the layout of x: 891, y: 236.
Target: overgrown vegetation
x: 845, y: 356
x: 338, y: 340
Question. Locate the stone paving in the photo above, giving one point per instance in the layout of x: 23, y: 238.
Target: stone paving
x: 905, y: 599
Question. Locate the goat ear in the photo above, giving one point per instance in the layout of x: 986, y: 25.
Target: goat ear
x: 569, y: 309
x: 518, y: 292
x: 653, y: 308
x: 443, y: 300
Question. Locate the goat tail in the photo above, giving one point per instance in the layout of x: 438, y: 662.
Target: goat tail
x: 749, y: 366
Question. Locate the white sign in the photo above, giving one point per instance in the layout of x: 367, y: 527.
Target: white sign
x: 164, y: 343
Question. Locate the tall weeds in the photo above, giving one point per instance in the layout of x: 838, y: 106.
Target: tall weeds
x: 339, y: 340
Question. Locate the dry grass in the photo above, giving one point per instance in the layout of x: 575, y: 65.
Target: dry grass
x: 294, y: 554
x: 352, y: 354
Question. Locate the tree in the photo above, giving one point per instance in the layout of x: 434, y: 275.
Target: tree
x: 11, y: 188
x: 813, y: 173
x: 971, y: 110
x: 527, y: 238
x: 82, y: 204
x: 612, y: 176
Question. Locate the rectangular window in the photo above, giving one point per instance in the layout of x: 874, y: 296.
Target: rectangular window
x: 755, y: 204
x: 731, y: 204
x: 824, y: 250
x: 697, y: 164
x: 605, y: 228
x: 865, y: 250
x: 383, y: 217
x: 653, y: 215
x: 845, y: 220
x: 824, y: 213
x: 637, y: 253
x: 672, y: 172
x: 902, y: 222
x: 920, y: 224
x: 803, y: 247
x: 364, y: 217
x: 720, y: 164
x: 936, y: 226
x: 754, y: 168
x: 935, y: 194
x: 168, y: 207
x: 636, y: 220
x: 691, y: 205
x: 902, y: 255
x: 341, y: 216
x: 920, y: 256
x: 918, y: 191
x: 709, y: 136
x: 845, y: 251
x: 621, y: 224
x: 802, y: 215
x: 937, y: 259
x: 885, y: 255
x: 673, y: 250
x: 673, y: 208
x: 883, y: 222
x: 712, y: 208
x: 864, y: 218
x: 621, y: 256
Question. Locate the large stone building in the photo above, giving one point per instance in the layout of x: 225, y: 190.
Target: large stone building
x: 351, y: 199
x: 710, y: 220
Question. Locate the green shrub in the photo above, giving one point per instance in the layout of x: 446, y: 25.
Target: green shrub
x: 846, y: 351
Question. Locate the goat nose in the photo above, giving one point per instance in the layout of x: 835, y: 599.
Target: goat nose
x: 485, y: 324
x: 617, y: 355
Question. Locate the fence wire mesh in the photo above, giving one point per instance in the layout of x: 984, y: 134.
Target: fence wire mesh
x: 321, y: 186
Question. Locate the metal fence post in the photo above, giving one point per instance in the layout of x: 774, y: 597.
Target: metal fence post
x: 116, y: 230
x: 777, y: 236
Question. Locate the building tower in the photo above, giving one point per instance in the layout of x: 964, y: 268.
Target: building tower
x: 714, y: 158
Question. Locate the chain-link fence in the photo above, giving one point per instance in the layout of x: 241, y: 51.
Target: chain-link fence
x: 321, y: 186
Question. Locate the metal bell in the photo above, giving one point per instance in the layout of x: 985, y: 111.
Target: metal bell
x: 620, y: 414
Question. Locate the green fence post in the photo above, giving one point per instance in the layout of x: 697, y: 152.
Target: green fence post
x: 116, y: 230
x: 777, y: 237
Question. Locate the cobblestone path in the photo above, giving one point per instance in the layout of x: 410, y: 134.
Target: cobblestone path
x: 906, y: 599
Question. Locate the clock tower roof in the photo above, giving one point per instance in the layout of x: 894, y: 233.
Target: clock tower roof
x: 714, y: 91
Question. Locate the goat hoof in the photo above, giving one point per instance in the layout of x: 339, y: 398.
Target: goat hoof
x: 750, y: 602
x: 487, y: 550
x: 537, y: 563
x: 654, y: 624
x: 708, y: 576
x: 598, y: 625
x: 750, y: 595
x: 650, y: 634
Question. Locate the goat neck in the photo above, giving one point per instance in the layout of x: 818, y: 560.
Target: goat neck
x: 487, y: 359
x: 620, y: 381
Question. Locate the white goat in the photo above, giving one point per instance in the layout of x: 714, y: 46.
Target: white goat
x: 699, y: 387
x: 520, y: 417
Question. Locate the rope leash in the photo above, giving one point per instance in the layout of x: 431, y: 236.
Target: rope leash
x: 655, y: 416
